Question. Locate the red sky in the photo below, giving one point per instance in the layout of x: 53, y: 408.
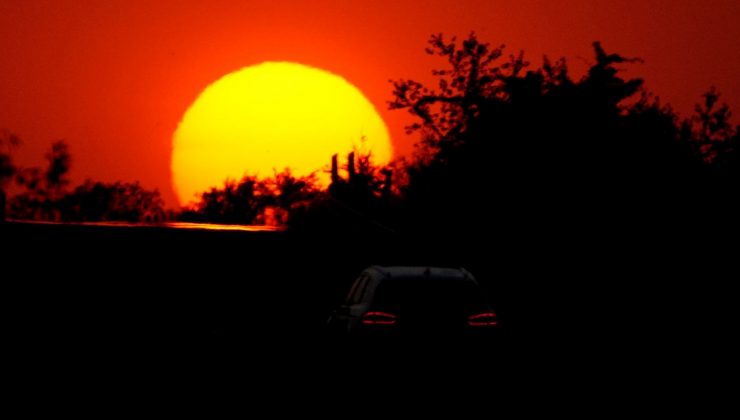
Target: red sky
x: 114, y: 77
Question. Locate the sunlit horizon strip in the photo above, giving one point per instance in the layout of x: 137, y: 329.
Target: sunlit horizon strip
x: 171, y: 225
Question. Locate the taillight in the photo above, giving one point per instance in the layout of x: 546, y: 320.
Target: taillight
x: 379, y: 318
x: 484, y: 319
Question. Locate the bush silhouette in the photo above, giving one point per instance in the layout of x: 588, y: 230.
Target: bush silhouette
x: 254, y: 201
x: 46, y: 196
x: 504, y: 143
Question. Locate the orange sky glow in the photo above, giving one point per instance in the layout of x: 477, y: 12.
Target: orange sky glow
x: 114, y: 77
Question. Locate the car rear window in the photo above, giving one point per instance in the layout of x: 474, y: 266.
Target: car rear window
x: 428, y: 292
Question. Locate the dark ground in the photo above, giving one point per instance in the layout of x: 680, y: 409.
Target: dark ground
x: 149, y: 299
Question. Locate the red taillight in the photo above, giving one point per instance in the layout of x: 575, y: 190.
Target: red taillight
x: 484, y: 319
x: 379, y: 318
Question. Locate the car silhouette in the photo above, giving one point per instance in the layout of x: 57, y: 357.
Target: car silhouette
x: 414, y: 301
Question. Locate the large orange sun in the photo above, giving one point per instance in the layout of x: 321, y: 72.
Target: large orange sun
x: 270, y: 117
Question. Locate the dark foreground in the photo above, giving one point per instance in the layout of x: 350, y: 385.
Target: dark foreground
x: 150, y: 299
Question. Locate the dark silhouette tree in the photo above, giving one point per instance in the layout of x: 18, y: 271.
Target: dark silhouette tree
x: 287, y: 195
x: 470, y: 76
x: 118, y: 201
x: 711, y: 132
x: 44, y: 190
x: 253, y: 200
x: 59, y: 162
x: 727, y: 159
x: 358, y: 200
x: 46, y: 196
x: 711, y: 126
x: 364, y: 184
x: 8, y: 142
x: 235, y: 203
x: 504, y: 144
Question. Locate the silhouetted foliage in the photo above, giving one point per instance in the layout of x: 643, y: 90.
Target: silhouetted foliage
x: 361, y: 199
x: 504, y: 143
x: 288, y: 195
x: 118, y: 201
x: 711, y: 125
x: 44, y: 190
x: 365, y: 184
x: 470, y: 76
x: 8, y: 141
x: 726, y: 161
x: 234, y: 203
x: 254, y: 201
x: 58, y: 168
x: 46, y: 197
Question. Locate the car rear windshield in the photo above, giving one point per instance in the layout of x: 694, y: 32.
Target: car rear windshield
x: 441, y: 293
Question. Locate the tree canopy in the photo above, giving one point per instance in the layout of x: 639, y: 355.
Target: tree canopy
x: 502, y: 141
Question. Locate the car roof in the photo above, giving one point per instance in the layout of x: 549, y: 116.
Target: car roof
x: 416, y: 272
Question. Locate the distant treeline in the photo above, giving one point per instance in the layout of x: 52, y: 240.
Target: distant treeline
x: 501, y: 143
x: 45, y: 194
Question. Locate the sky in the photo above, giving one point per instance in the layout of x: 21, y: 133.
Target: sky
x: 114, y: 77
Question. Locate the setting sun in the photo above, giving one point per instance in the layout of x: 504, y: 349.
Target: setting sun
x: 269, y: 117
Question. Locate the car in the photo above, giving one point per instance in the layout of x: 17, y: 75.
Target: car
x: 413, y: 302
